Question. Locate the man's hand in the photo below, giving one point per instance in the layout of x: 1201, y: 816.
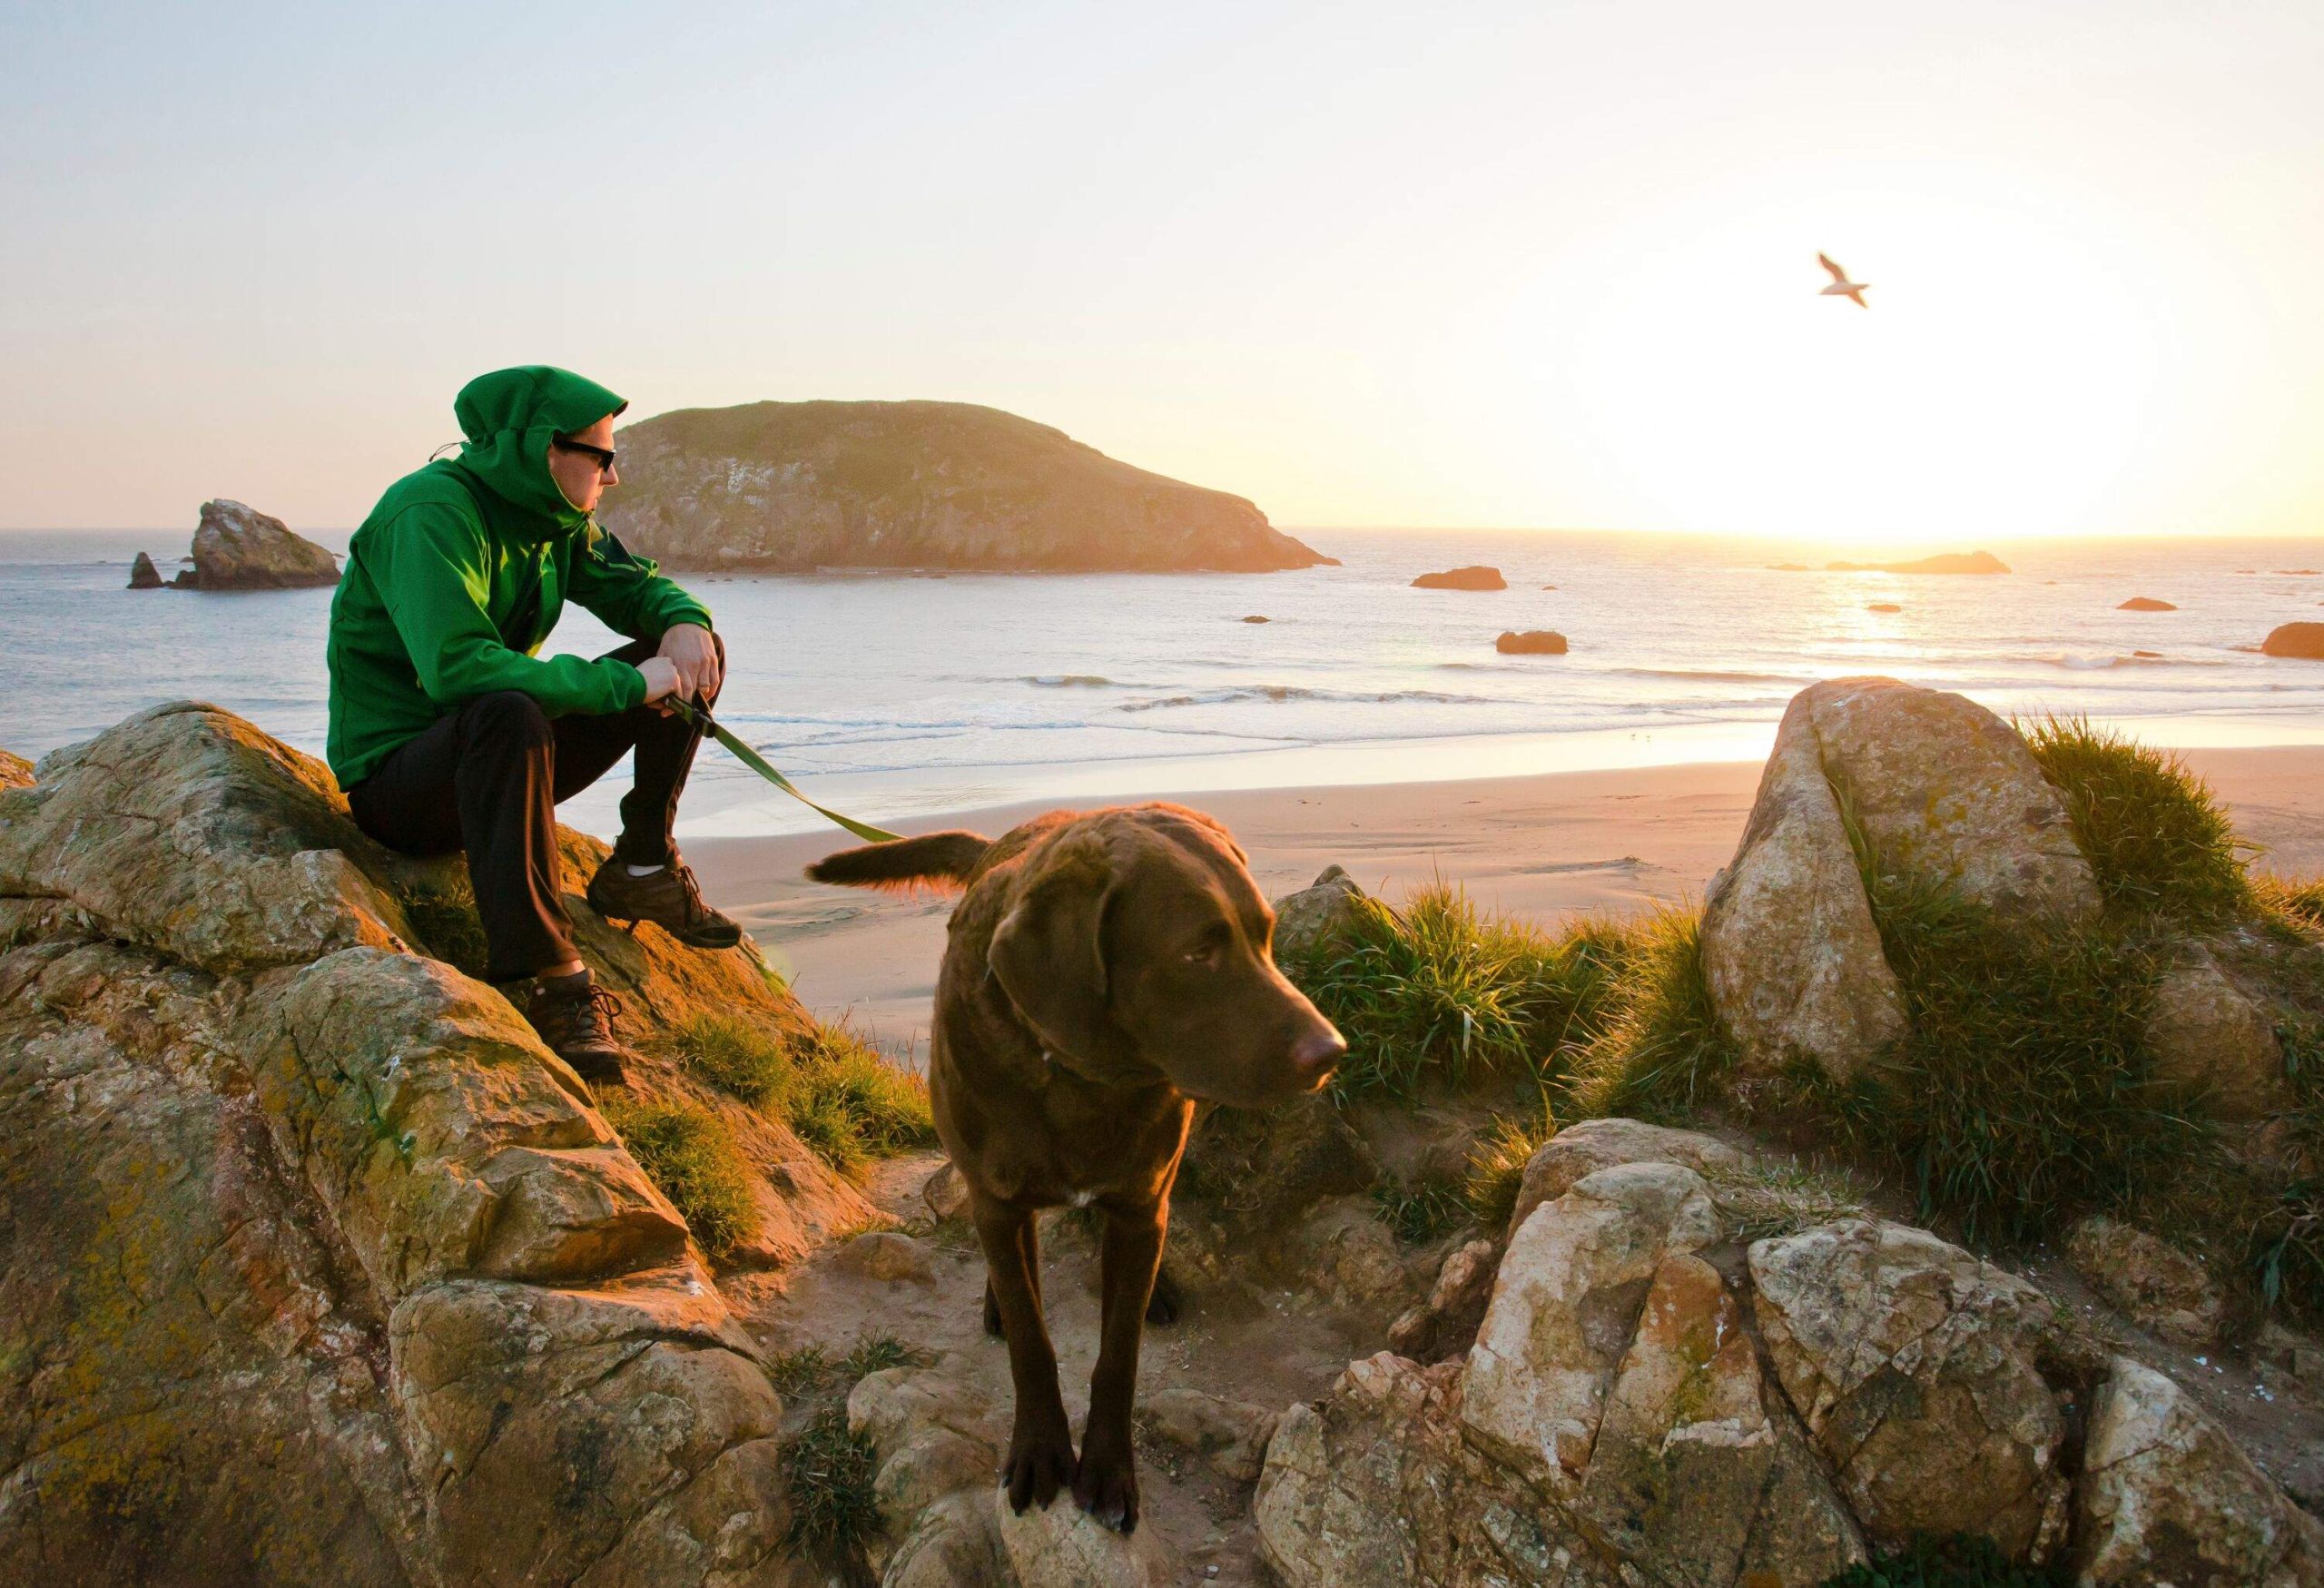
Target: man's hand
x: 688, y: 647
x: 661, y: 680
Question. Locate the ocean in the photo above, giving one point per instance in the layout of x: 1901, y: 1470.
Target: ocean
x: 895, y: 696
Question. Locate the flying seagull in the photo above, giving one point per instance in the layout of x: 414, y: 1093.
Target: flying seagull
x: 1841, y: 286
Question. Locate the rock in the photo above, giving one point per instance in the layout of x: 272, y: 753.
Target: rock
x: 1571, y: 1282
x: 2165, y: 1497
x: 946, y: 1193
x: 1306, y: 921
x: 1446, y: 1324
x: 1374, y: 1487
x: 318, y: 1266
x: 2148, y: 655
x: 1231, y: 1435
x: 1698, y: 1475
x: 1582, y: 1150
x: 1883, y: 607
x: 934, y: 485
x: 1255, y: 618
x: 896, y: 1405
x: 932, y: 1464
x: 1790, y: 952
x: 1533, y: 642
x: 237, y: 547
x: 2159, y: 1286
x: 1354, y: 1259
x: 1474, y: 578
x: 1912, y: 1366
x: 955, y: 1544
x: 16, y: 772
x: 2206, y: 1034
x: 1948, y: 562
x: 889, y: 1255
x: 2145, y: 604
x: 2302, y: 640
x: 144, y: 575
x: 1062, y: 1545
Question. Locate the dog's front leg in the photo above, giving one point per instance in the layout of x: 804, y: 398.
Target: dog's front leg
x: 1041, y: 1449
x: 1107, y: 1484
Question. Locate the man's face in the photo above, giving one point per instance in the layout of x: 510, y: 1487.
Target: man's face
x: 579, y: 474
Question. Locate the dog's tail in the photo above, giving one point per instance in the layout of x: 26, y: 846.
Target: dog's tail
x: 943, y: 861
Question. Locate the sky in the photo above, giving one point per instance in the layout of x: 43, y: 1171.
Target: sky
x: 1462, y: 264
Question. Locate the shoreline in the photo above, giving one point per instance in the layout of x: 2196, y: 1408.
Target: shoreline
x: 1543, y: 846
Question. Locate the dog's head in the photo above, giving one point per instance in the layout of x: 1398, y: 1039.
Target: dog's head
x: 1138, y: 948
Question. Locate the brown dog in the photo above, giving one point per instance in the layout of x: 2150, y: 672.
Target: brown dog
x: 1104, y: 971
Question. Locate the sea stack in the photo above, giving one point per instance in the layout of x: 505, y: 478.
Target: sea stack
x: 2145, y: 604
x: 1474, y: 578
x: 238, y: 548
x: 1533, y: 642
x: 144, y: 575
x: 2304, y: 641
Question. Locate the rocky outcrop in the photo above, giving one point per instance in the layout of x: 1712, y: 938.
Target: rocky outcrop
x: 2147, y: 1279
x: 1582, y: 1150
x: 1940, y: 791
x: 144, y: 575
x: 16, y: 772
x: 797, y: 486
x: 1533, y: 642
x: 2304, y: 641
x: 1476, y: 576
x: 320, y: 1268
x: 1310, y: 918
x: 237, y: 547
x: 2145, y: 604
x: 1944, y: 562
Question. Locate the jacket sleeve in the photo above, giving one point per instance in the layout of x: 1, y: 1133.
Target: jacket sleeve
x: 626, y: 592
x: 432, y: 571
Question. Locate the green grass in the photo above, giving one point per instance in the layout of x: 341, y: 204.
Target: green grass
x: 1420, y: 1211
x: 875, y: 1352
x: 2286, y: 1240
x: 796, y: 1372
x: 831, y: 1468
x: 1440, y: 993
x: 834, y: 1090
x: 1960, y: 1561
x: 2155, y: 836
x: 1497, y: 1167
x: 690, y: 1154
x: 1661, y: 1053
x: 2299, y: 904
x: 1766, y: 1200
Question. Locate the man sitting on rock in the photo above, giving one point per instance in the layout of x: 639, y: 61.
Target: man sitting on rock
x: 449, y: 733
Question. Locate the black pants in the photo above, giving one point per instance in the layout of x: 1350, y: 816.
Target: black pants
x: 487, y: 778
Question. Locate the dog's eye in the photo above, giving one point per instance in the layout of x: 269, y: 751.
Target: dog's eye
x: 1210, y: 950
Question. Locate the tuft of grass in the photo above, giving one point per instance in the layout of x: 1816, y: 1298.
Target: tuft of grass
x: 875, y: 1352
x: 1440, y: 992
x: 810, y: 1368
x: 2022, y: 1094
x: 734, y: 1056
x: 2300, y: 904
x: 2153, y: 832
x: 834, y: 1090
x: 831, y: 1468
x: 1766, y: 1200
x: 690, y: 1154
x: 1661, y: 1053
x: 1960, y: 1561
x: 795, y: 1372
x: 2285, y: 1245
x: 1420, y: 1211
x: 1497, y: 1167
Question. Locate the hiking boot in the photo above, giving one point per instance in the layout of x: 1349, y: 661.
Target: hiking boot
x: 670, y: 898
x: 573, y: 1015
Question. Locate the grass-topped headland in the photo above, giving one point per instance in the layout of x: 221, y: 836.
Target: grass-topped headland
x: 2027, y: 1092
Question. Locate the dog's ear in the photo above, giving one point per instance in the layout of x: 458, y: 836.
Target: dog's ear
x: 1050, y: 957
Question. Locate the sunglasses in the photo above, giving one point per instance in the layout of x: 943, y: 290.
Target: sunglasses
x: 603, y: 454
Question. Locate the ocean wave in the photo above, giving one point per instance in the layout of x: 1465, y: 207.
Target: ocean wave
x: 1288, y: 692
x: 1071, y: 681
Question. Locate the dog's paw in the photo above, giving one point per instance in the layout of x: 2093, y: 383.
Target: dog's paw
x: 1038, y: 1466
x: 1166, y: 1302
x: 992, y: 1313
x: 1107, y: 1488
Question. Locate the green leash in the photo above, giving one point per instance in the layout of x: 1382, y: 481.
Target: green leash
x: 757, y: 763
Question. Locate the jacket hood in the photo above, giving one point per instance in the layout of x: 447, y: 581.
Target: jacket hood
x: 508, y: 419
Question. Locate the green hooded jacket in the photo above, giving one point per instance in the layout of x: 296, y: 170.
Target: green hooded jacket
x: 460, y: 572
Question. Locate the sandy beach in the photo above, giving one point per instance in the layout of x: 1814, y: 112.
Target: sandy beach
x: 1543, y: 847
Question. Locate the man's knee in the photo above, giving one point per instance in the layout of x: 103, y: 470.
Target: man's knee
x: 507, y: 717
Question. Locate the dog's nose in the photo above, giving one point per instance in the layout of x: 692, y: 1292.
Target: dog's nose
x: 1319, y: 1050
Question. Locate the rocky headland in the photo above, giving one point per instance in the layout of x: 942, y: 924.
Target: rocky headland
x: 1944, y: 562
x: 794, y: 487
x: 1662, y: 1252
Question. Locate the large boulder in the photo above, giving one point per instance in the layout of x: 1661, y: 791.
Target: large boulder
x: 2166, y: 1497
x: 1913, y: 1366
x: 1310, y: 918
x: 803, y: 484
x: 2304, y: 641
x: 1582, y: 1149
x: 237, y: 547
x: 1940, y: 792
x: 1532, y: 642
x: 319, y: 1267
